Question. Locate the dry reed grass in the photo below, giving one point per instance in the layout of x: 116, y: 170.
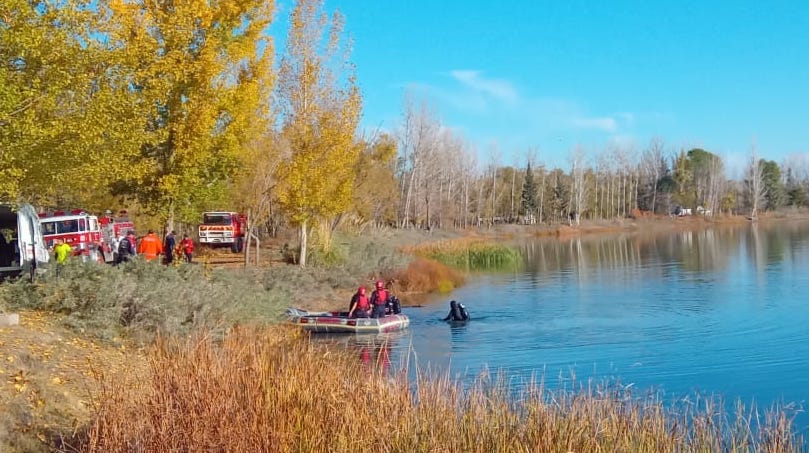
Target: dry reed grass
x: 426, y: 275
x: 274, y: 391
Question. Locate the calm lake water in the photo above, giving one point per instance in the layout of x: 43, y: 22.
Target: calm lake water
x: 723, y: 311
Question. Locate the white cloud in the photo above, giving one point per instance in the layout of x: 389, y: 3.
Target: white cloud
x: 606, y: 124
x: 501, y: 90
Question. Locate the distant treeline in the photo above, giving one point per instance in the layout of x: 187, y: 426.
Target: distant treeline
x: 173, y: 108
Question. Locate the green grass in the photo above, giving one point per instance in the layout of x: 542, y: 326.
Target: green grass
x: 473, y: 256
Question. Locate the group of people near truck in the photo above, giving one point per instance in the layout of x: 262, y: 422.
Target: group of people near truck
x: 380, y: 304
x: 151, y: 247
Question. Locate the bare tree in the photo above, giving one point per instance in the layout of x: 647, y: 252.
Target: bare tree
x: 416, y: 140
x: 651, y: 165
x: 755, y: 183
x: 578, y: 194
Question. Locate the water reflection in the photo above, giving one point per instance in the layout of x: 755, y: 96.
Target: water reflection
x: 720, y: 311
x: 372, y: 350
x: 703, y: 252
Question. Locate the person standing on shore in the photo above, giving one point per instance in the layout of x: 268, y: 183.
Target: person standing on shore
x: 61, y: 252
x: 126, y: 248
x: 169, y: 243
x: 188, y: 248
x: 150, y: 246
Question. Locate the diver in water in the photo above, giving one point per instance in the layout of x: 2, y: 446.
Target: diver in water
x: 457, y: 312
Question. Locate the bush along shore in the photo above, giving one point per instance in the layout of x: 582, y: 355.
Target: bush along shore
x: 192, y: 359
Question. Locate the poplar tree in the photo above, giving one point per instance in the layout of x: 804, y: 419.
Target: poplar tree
x: 375, y: 190
x: 320, y: 105
x: 60, y: 105
x: 202, y: 71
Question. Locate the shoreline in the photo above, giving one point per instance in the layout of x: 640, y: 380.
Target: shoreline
x: 50, y: 366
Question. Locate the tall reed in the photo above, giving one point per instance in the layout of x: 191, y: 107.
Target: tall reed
x: 471, y: 254
x: 274, y: 391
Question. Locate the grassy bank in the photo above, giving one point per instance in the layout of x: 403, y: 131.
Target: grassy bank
x: 149, y: 358
x: 273, y: 390
x: 93, y: 318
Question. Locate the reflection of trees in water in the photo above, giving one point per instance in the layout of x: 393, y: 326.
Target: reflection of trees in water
x: 769, y: 244
x: 695, y: 252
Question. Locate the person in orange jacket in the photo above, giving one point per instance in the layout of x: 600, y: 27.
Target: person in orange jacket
x: 150, y: 246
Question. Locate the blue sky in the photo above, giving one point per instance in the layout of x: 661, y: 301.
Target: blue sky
x: 554, y: 75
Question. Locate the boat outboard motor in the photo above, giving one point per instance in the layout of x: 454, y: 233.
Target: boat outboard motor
x: 394, y: 306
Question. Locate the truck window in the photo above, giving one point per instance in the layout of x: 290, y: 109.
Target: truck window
x: 68, y: 226
x: 48, y: 228
x: 216, y: 219
x: 82, y: 225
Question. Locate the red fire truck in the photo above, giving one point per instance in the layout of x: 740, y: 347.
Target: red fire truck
x: 113, y: 228
x: 78, y: 229
x: 223, y: 228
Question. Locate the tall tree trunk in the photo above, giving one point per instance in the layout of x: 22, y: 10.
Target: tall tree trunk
x: 542, y: 197
x: 303, y: 238
x: 513, y: 182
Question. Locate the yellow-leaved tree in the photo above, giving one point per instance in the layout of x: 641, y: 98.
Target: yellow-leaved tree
x: 203, y: 69
x: 320, y: 106
x: 376, y: 194
x: 63, y: 105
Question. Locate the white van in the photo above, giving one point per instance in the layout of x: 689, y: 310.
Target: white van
x: 22, y: 248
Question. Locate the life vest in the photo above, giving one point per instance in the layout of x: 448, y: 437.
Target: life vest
x: 188, y: 245
x: 381, y: 297
x: 363, y: 303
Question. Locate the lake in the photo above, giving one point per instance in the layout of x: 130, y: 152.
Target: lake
x: 720, y: 311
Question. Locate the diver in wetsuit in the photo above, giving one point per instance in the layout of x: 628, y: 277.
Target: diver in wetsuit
x: 457, y: 312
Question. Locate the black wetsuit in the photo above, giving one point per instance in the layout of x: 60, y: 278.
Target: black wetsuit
x: 457, y: 312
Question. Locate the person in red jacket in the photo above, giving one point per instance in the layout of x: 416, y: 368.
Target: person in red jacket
x: 150, y: 246
x: 379, y: 300
x: 360, y: 305
x: 187, y: 245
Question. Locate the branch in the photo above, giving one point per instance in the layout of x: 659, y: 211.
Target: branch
x: 23, y: 107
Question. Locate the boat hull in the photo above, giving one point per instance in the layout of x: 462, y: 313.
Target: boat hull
x: 339, y: 322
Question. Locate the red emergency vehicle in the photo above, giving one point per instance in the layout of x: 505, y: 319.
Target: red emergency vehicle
x: 78, y: 229
x: 113, y: 228
x: 223, y: 228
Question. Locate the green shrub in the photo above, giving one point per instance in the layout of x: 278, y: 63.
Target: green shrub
x: 142, y: 299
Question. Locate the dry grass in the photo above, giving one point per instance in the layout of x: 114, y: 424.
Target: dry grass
x: 270, y: 391
x: 426, y: 275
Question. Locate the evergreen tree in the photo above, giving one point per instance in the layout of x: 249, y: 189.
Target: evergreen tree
x: 775, y: 194
x: 795, y: 193
x: 560, y: 195
x: 528, y: 197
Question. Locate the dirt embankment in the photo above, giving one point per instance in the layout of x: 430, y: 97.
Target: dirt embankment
x: 46, y: 373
